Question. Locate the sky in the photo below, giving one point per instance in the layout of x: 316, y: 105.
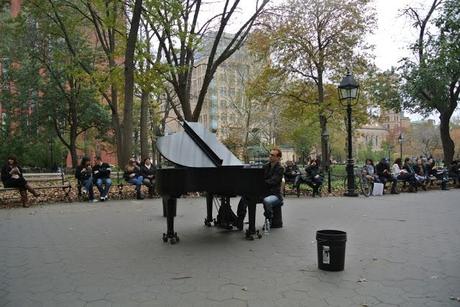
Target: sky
x: 393, y: 33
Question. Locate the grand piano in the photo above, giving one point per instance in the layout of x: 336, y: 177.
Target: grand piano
x: 203, y: 164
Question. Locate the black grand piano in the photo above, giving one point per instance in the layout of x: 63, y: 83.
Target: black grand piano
x: 203, y: 164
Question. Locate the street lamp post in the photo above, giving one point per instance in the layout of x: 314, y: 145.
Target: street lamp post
x: 327, y: 160
x: 400, y: 140
x: 348, y: 93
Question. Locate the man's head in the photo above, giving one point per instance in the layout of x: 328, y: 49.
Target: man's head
x: 275, y: 155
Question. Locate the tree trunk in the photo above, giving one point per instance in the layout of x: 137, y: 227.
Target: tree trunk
x: 448, y: 145
x: 129, y: 84
x: 144, y: 129
x: 322, y: 120
x: 246, y: 138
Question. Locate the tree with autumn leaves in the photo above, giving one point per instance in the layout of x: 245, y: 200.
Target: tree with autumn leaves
x: 311, y: 44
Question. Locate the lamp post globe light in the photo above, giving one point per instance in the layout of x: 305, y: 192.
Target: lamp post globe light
x: 348, y: 94
x: 401, y: 140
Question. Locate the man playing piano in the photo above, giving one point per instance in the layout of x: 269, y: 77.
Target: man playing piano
x: 273, y: 176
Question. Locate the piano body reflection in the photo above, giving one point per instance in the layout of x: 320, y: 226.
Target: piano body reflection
x: 203, y: 164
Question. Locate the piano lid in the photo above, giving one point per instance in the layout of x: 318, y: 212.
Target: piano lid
x: 195, y: 147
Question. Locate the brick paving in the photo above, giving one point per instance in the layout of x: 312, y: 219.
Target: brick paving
x: 402, y: 250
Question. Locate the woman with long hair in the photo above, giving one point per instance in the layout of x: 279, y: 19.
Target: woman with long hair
x: 12, y: 177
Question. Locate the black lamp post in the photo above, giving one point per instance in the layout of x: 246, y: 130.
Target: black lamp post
x: 348, y: 93
x: 327, y: 160
x: 400, y: 140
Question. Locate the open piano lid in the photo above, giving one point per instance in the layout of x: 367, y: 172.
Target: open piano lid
x: 195, y: 147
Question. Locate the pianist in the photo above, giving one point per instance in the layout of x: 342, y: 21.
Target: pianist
x: 273, y: 175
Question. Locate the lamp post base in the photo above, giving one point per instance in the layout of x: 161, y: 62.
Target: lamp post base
x: 350, y: 194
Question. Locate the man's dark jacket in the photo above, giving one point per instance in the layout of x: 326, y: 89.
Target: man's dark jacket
x: 273, y: 177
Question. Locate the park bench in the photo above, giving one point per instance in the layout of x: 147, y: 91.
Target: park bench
x: 120, y: 188
x: 288, y: 188
x: 46, y: 181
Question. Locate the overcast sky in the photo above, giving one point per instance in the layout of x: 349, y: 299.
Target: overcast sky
x: 392, y: 36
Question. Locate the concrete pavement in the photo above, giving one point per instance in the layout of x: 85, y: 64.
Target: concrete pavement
x: 402, y: 250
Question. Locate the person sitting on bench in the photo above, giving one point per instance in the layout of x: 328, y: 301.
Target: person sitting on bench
x: 454, y: 172
x: 420, y: 174
x: 439, y: 172
x: 84, y: 175
x: 313, y: 177
x: 404, y: 174
x: 12, y: 177
x: 133, y: 176
x: 101, y: 175
x: 148, y: 171
x: 291, y: 171
x: 384, y: 174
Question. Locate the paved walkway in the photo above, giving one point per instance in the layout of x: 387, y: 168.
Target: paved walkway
x: 402, y: 250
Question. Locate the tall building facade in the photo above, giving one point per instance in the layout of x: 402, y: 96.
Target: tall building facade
x: 226, y: 109
x: 383, y: 132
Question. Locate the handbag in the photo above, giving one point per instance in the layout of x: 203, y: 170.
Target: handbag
x: 378, y: 189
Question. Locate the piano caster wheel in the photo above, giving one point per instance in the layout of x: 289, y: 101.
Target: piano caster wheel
x: 207, y: 222
x: 253, y: 236
x: 173, y: 239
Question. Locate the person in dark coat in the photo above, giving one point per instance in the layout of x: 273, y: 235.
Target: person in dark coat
x: 273, y: 176
x: 133, y: 176
x: 101, y: 177
x: 12, y: 177
x: 84, y: 174
x: 148, y: 171
x: 439, y: 172
x: 384, y: 172
x: 291, y: 171
x: 454, y: 172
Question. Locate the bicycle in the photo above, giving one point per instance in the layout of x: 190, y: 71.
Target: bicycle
x: 362, y: 182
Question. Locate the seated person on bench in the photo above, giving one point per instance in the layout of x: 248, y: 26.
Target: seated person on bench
x: 84, y: 175
x: 384, y: 174
x: 148, y: 171
x: 291, y: 171
x: 273, y: 174
x: 404, y: 174
x: 133, y: 176
x: 368, y: 171
x: 420, y: 174
x: 439, y: 172
x: 12, y: 177
x: 454, y: 172
x: 313, y: 177
x: 101, y: 176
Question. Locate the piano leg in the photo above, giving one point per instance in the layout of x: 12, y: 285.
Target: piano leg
x: 171, y: 205
x: 252, y: 233
x: 208, y: 220
x: 165, y: 204
x: 252, y: 216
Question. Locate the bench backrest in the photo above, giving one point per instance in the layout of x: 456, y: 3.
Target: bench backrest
x: 44, y: 177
